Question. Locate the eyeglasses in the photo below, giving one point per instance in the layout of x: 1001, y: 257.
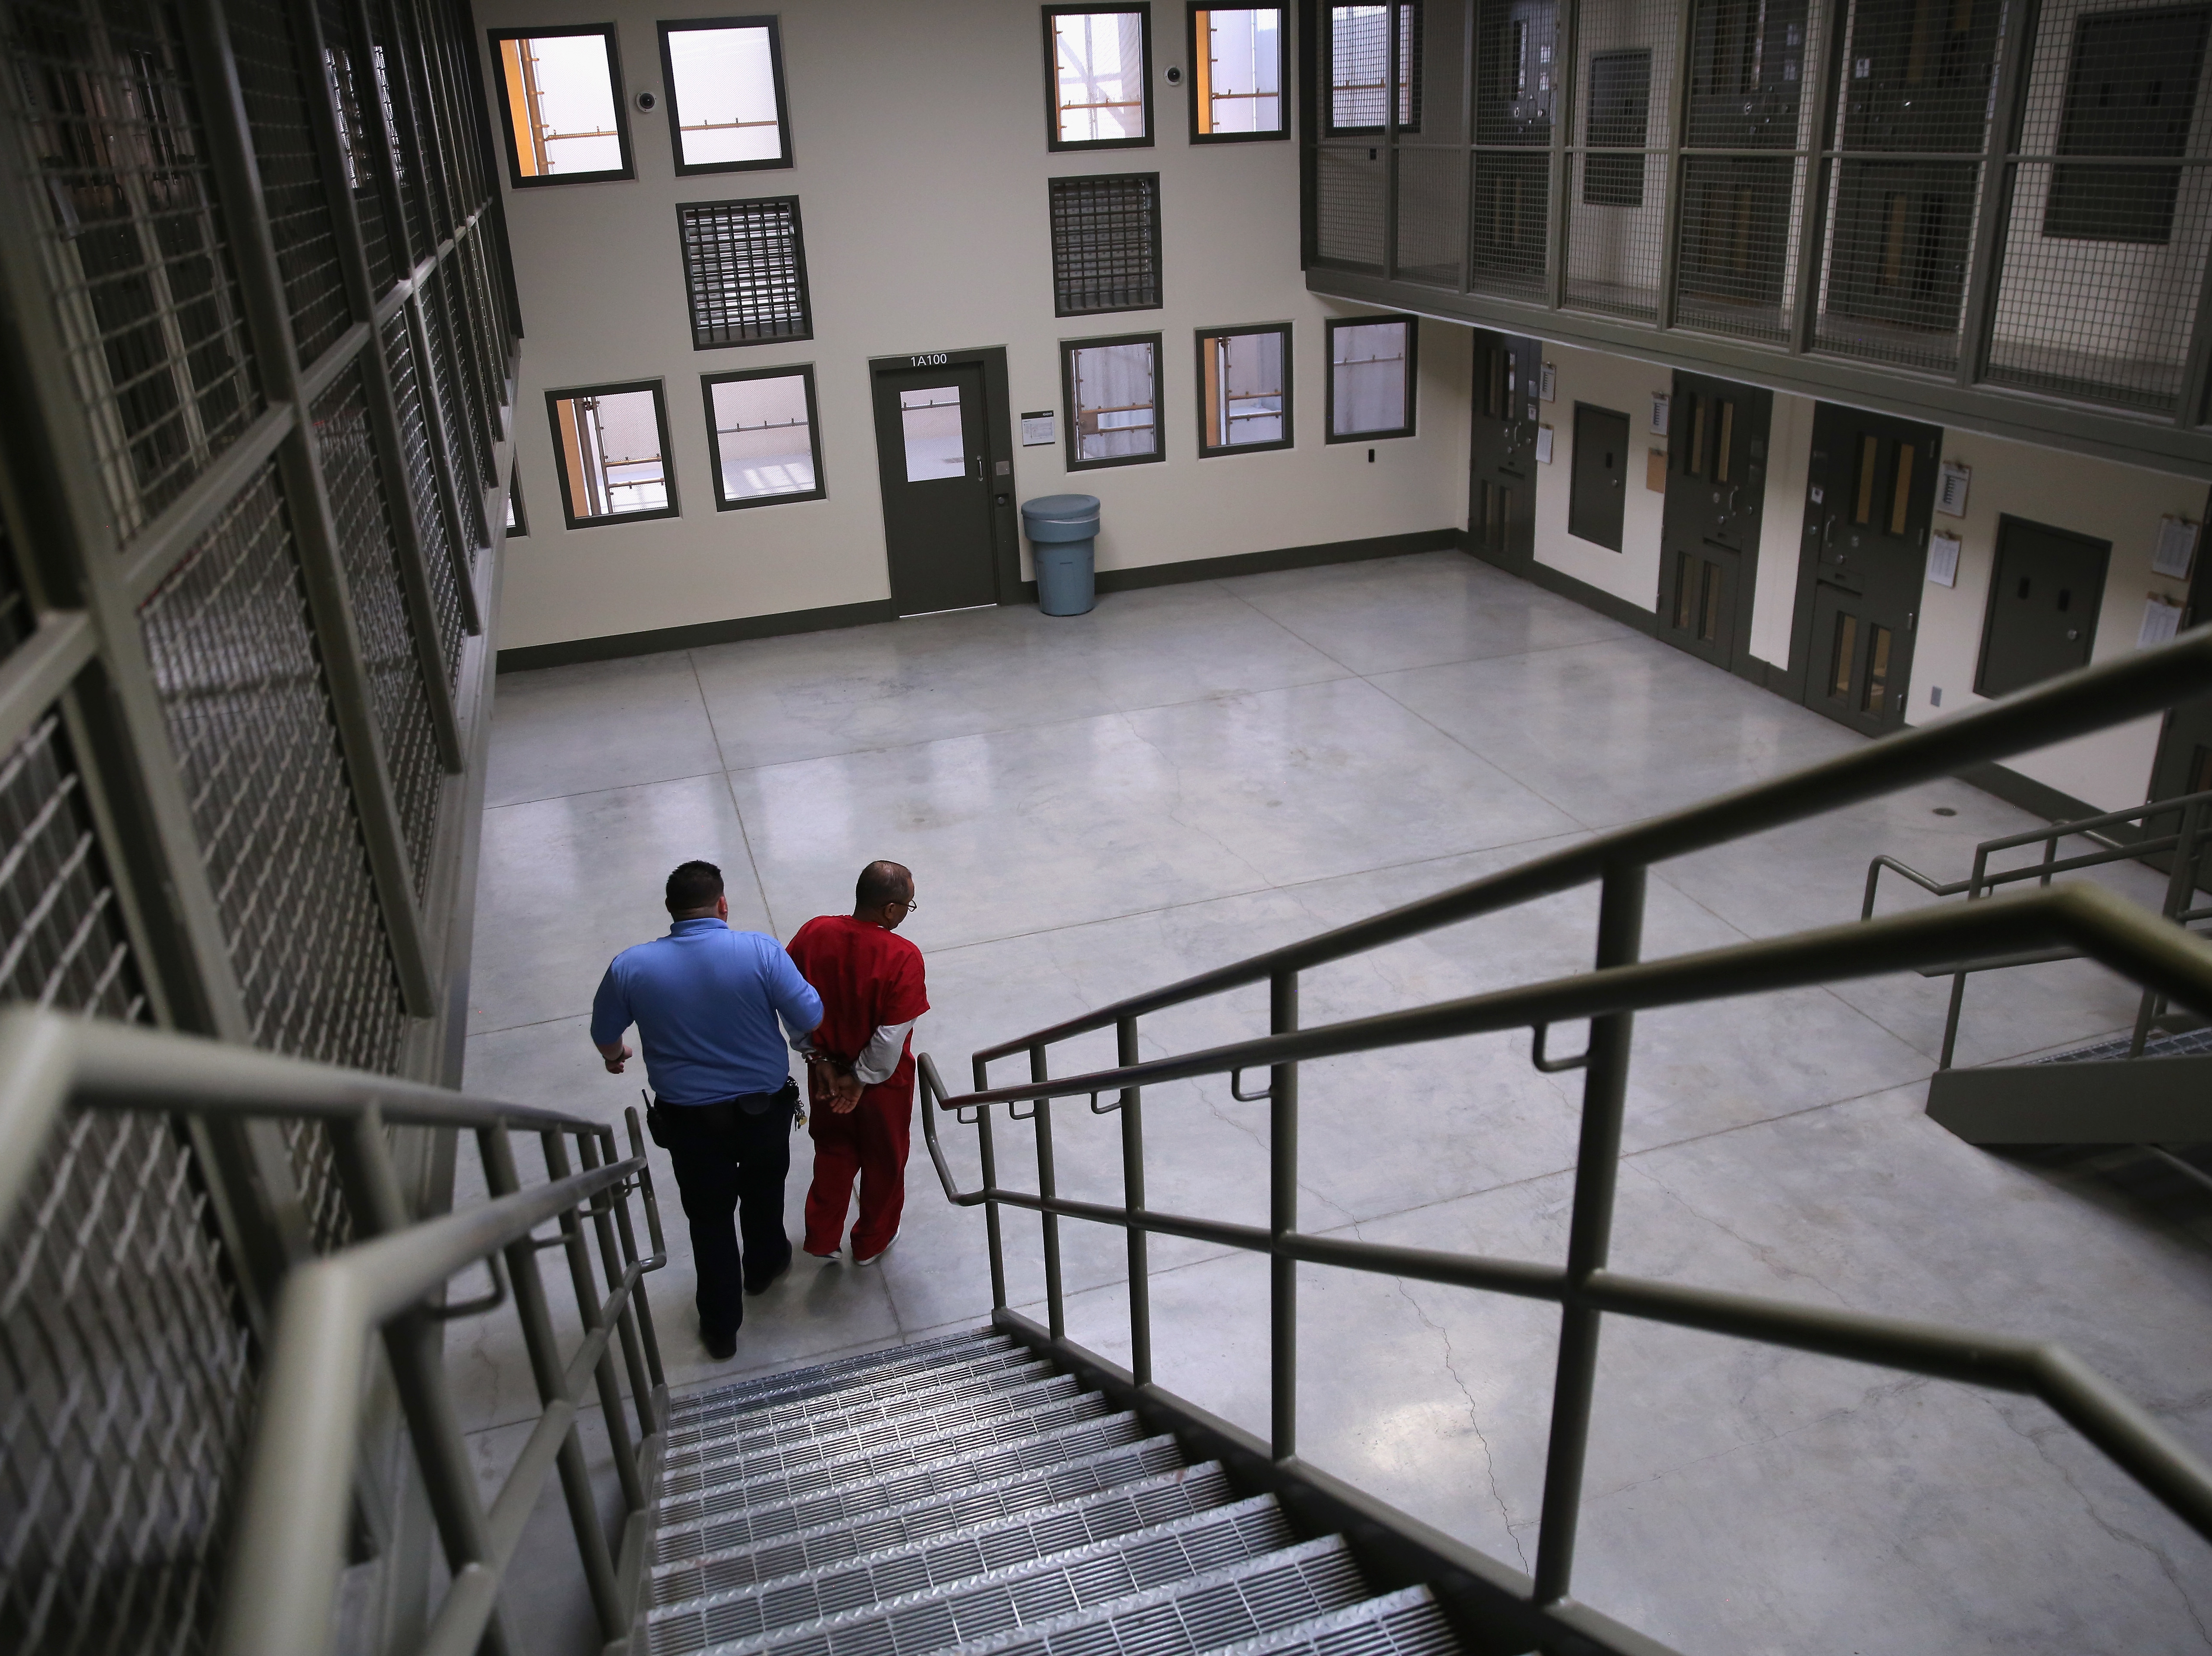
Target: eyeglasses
x: 912, y: 905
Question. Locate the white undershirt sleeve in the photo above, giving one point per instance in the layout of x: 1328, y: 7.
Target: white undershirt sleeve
x: 881, y: 1055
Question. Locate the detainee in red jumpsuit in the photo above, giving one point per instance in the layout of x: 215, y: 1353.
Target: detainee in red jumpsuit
x: 860, y: 1070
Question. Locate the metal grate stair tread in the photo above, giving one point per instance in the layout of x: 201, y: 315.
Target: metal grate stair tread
x: 799, y: 1446
x: 865, y: 1367
x: 969, y: 1586
x: 691, y: 1528
x: 1408, y: 1622
x: 847, y: 1537
x: 907, y: 1395
x: 751, y: 1485
x: 2187, y: 1044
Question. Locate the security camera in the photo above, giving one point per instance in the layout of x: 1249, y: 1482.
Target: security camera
x: 1175, y: 77
x: 645, y: 101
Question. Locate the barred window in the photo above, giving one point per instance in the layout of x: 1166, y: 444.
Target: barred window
x: 561, y: 90
x: 744, y: 270
x: 1106, y: 244
x: 1101, y: 95
x: 725, y: 80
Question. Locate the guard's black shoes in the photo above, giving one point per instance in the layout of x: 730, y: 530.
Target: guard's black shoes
x: 758, y: 1284
x: 721, y: 1347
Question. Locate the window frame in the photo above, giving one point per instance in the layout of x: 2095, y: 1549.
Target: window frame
x: 606, y: 32
x: 1289, y: 439
x: 1413, y: 376
x: 1192, y: 46
x: 555, y: 398
x: 1152, y: 229
x: 519, y: 529
x: 1081, y: 8
x: 665, y: 26
x: 804, y: 372
x: 1398, y: 94
x: 1072, y: 437
x: 798, y: 259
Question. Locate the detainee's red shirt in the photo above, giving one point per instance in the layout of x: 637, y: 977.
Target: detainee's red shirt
x: 867, y: 976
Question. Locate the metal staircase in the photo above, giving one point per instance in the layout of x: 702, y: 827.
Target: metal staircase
x: 963, y: 1495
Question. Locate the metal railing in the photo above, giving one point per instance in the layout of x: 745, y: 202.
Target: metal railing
x: 2186, y: 844
x: 2154, y: 951
x: 287, y: 1535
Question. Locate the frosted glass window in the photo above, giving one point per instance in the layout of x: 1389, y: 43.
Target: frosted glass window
x: 1244, y: 388
x: 1099, y: 88
x: 1371, y: 369
x: 1236, y: 73
x: 764, y: 437
x: 929, y: 419
x: 612, y: 442
x: 725, y: 103
x: 1113, y: 391
x: 561, y: 93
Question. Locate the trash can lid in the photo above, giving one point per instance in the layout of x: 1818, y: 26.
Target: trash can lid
x: 1061, y: 508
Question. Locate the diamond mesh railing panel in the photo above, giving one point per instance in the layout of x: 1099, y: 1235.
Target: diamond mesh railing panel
x: 378, y: 597
x: 292, y: 182
x: 1431, y: 216
x: 136, y: 252
x: 351, y: 81
x: 250, y: 717
x: 422, y: 491
x: 744, y: 270
x: 1348, y: 191
x: 1105, y: 243
x: 453, y: 423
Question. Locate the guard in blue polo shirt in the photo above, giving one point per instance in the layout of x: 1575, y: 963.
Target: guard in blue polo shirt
x: 705, y: 999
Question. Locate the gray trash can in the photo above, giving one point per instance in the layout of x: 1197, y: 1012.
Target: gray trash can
x: 1063, y: 531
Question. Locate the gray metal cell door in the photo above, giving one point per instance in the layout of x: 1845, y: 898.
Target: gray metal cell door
x: 2044, y: 597
x: 1708, y: 538
x: 1869, y: 497
x: 932, y: 448
x: 1501, y: 506
x: 1599, y: 485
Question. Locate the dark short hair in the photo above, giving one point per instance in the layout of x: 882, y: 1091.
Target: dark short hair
x: 880, y: 883
x: 693, y: 885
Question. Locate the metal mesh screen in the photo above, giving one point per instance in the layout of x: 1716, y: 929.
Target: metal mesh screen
x: 1348, y: 201
x: 392, y: 88
x: 379, y: 601
x: 1510, y: 193
x: 249, y: 717
x: 352, y: 83
x: 136, y: 254
x: 745, y: 273
x: 291, y: 173
x: 475, y: 410
x: 422, y: 493
x: 1616, y: 226
x: 1431, y: 216
x: 1899, y: 238
x: 1105, y: 243
x: 1732, y: 274
x: 16, y: 621
x: 453, y: 419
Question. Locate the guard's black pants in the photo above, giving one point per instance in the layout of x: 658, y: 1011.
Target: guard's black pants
x: 728, y: 1163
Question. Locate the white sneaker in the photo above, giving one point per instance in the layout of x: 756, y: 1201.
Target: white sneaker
x: 878, y: 1254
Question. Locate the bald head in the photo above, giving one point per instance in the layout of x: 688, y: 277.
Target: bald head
x: 880, y: 885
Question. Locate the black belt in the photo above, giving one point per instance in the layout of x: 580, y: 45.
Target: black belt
x: 785, y: 1097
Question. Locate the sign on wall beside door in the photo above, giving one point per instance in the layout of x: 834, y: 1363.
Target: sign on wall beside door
x: 1037, y: 430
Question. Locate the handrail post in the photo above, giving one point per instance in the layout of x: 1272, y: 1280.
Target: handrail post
x: 590, y: 1313
x: 1132, y: 1199
x: 1047, y: 1187
x: 1282, y: 1220
x: 548, y: 1370
x: 1590, y: 1240
x: 615, y: 1258
x: 1959, y: 981
x: 639, y: 1297
x: 987, y: 1155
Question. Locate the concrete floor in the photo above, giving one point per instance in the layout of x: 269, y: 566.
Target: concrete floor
x: 1094, y: 806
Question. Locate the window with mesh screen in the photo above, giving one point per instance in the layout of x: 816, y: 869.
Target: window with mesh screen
x: 1244, y: 389
x: 1619, y: 119
x: 1237, y: 74
x: 1112, y: 387
x: 612, y: 442
x: 745, y: 272
x: 1099, y: 93
x: 561, y: 103
x: 2130, y: 90
x: 725, y: 81
x: 1360, y: 79
x: 762, y: 430
x: 1370, y: 378
x: 1106, y: 244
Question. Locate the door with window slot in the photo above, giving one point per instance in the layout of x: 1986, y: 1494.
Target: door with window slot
x: 932, y: 449
x: 1501, y: 508
x: 1870, y: 497
x: 1708, y: 538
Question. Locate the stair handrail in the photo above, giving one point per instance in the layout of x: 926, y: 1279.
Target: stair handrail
x: 2162, y: 954
x: 288, y: 1537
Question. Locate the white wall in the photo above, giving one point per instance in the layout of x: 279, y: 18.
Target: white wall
x: 919, y: 137
x: 1626, y: 386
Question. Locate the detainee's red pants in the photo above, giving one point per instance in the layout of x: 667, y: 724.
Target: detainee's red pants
x: 872, y: 1142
